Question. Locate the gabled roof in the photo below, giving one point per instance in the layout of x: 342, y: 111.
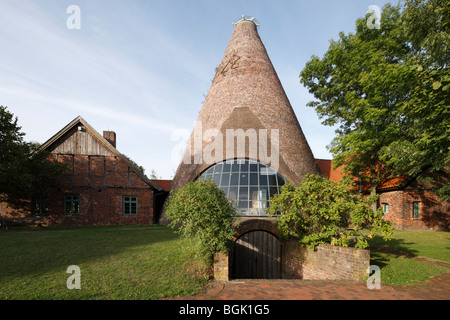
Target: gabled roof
x: 105, y: 143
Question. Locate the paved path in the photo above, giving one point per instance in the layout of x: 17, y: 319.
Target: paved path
x: 437, y: 288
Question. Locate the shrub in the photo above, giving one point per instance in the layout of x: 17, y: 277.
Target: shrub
x: 204, y: 214
x: 323, y: 211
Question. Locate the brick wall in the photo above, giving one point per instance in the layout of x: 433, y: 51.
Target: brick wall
x: 101, y: 182
x: 325, y: 262
x: 434, y: 214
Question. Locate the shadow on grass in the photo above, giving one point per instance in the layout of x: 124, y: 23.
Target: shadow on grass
x: 395, y: 246
x: 37, y: 251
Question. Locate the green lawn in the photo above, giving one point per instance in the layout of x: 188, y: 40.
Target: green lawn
x: 151, y: 262
x: 136, y: 262
x: 400, y: 270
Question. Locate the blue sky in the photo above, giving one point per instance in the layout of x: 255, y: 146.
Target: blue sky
x: 142, y: 68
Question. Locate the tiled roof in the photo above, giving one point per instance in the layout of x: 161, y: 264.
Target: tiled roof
x: 165, y: 184
x: 326, y: 166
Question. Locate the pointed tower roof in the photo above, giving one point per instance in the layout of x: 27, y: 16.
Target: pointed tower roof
x: 246, y: 93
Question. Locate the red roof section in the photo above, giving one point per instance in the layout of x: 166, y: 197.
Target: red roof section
x: 326, y: 166
x: 165, y: 184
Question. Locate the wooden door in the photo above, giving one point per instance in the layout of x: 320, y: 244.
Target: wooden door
x: 257, y: 255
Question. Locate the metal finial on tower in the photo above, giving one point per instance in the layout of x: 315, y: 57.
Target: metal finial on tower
x: 244, y: 18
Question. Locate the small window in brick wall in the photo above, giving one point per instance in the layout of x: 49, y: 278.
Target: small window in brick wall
x: 385, y: 208
x: 40, y: 207
x: 416, y: 209
x: 72, y: 204
x: 130, y: 205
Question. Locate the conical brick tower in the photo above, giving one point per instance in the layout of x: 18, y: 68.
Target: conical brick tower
x: 247, y: 94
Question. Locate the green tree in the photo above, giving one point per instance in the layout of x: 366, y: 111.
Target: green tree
x: 323, y: 211
x: 25, y: 170
x: 203, y: 214
x: 387, y: 91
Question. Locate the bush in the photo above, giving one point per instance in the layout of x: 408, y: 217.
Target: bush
x: 323, y: 211
x: 204, y: 214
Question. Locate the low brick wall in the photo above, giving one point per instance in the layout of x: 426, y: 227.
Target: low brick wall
x: 325, y: 262
x: 221, y: 267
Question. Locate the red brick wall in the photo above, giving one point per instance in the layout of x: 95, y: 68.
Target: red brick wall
x: 434, y: 214
x: 101, y: 182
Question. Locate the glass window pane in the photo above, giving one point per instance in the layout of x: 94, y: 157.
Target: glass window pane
x: 263, y: 181
x: 234, y: 180
x: 281, y: 181
x: 253, y: 167
x: 226, y: 167
x: 272, y: 179
x: 235, y: 167
x: 273, y: 190
x: 253, y: 178
x: 233, y: 193
x: 76, y: 207
x: 225, y: 179
x: 225, y: 190
x: 216, y: 179
x: 243, y: 204
x: 218, y: 168
x: 243, y: 179
x: 243, y: 193
x: 244, y: 166
x: 254, y: 193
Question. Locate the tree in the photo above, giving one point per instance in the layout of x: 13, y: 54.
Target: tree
x: 387, y: 90
x: 203, y: 214
x: 323, y: 211
x: 25, y: 171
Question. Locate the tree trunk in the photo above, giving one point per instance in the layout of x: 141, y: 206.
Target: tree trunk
x: 373, y: 191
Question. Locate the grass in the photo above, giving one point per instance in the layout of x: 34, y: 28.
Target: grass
x: 136, y: 262
x: 151, y: 262
x: 402, y: 270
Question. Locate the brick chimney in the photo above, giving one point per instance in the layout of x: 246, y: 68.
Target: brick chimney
x: 110, y: 136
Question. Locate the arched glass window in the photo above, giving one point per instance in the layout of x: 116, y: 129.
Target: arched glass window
x: 248, y: 183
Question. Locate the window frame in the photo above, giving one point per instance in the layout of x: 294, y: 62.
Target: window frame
x: 73, y: 199
x: 128, y: 203
x: 385, y: 207
x: 416, y: 211
x: 250, y: 184
x: 40, y: 203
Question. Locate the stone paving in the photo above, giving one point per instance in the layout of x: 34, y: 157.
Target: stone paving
x: 437, y: 288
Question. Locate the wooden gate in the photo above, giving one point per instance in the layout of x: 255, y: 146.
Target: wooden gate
x: 257, y: 255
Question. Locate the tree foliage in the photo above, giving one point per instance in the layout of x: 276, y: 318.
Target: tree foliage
x: 203, y: 213
x: 25, y: 171
x: 323, y: 211
x: 387, y: 90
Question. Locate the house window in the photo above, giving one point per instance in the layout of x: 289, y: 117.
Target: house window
x: 416, y: 209
x: 130, y: 205
x: 40, y: 207
x: 72, y: 204
x: 385, y: 208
